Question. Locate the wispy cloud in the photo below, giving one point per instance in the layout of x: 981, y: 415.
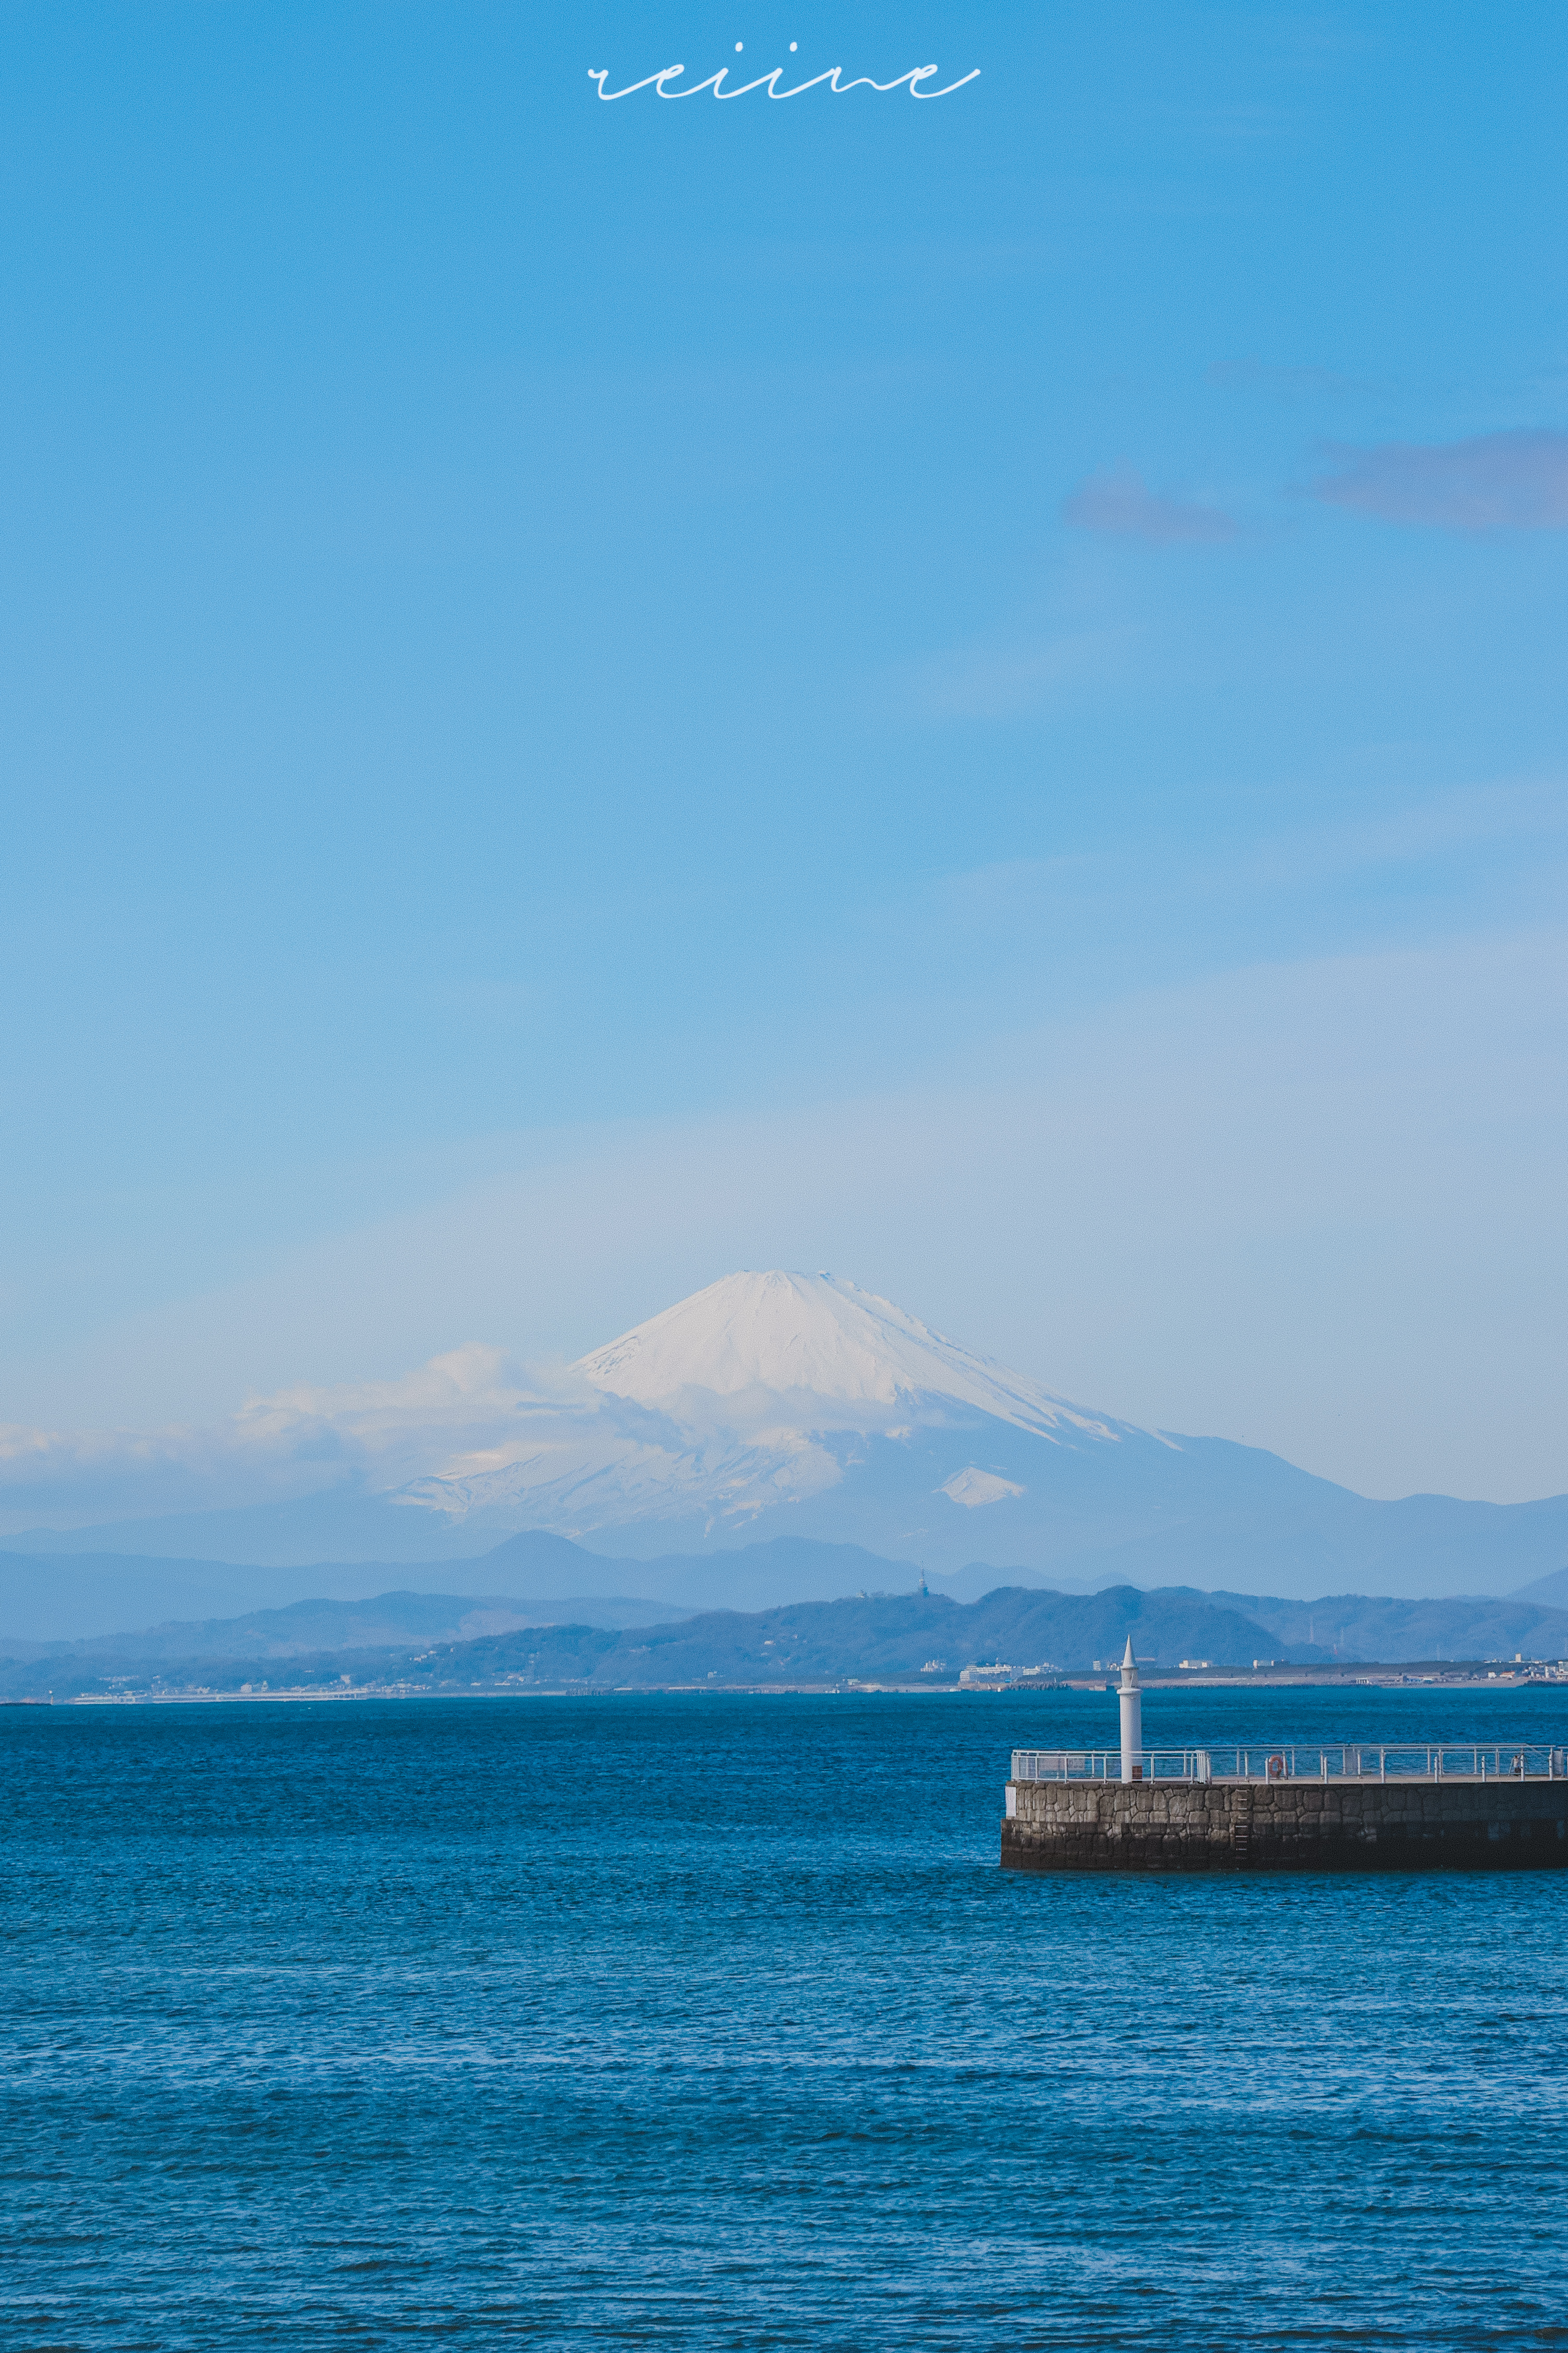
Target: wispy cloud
x: 372, y: 1434
x: 1497, y: 481
x: 1121, y: 502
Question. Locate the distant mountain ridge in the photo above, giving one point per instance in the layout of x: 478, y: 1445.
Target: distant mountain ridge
x: 384, y: 1621
x: 61, y: 1597
x: 1552, y: 1589
x: 102, y: 1598
x: 914, y: 1634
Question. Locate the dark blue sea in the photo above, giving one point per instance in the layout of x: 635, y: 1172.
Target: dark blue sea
x: 712, y: 2023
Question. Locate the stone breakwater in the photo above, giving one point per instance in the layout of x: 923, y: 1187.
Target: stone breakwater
x: 1396, y: 1825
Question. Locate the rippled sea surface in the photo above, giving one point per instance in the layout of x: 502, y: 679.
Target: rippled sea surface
x: 712, y: 2021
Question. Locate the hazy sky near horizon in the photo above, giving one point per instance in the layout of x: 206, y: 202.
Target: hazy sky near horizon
x: 970, y: 693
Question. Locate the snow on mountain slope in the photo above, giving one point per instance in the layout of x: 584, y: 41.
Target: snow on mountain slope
x: 589, y: 1470
x: 763, y: 1390
x: 855, y: 1356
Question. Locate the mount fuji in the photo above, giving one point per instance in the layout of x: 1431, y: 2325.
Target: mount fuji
x: 770, y: 1394
x: 798, y: 1406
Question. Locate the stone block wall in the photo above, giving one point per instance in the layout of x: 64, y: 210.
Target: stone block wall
x: 1417, y: 1825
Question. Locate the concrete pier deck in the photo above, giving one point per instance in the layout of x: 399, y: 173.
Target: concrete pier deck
x: 1412, y: 1823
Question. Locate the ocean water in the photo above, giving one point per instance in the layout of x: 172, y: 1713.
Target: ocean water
x: 709, y: 2021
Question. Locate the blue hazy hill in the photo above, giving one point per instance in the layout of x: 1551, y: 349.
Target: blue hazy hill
x: 419, y: 1642
x: 1200, y: 1511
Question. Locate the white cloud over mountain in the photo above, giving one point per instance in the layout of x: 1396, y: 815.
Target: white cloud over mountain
x: 294, y: 1442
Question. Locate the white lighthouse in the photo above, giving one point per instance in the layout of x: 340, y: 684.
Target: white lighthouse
x: 1131, y: 1695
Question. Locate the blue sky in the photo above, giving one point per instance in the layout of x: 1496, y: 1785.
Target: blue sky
x: 966, y: 693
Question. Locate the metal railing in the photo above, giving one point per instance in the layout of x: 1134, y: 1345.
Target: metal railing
x: 1276, y: 1761
x: 1105, y: 1765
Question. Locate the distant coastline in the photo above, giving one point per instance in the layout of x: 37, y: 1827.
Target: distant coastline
x: 1410, y: 1676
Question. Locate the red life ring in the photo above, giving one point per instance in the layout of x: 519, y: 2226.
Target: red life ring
x: 1276, y: 1769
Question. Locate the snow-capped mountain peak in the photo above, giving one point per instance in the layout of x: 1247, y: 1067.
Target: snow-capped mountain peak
x: 815, y: 1336
x: 768, y: 1390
